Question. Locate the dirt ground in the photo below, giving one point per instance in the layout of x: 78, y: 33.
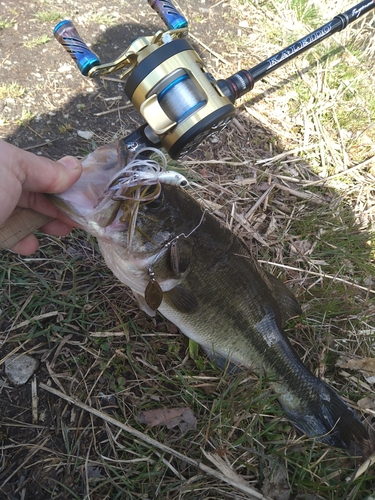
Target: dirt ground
x: 57, y: 104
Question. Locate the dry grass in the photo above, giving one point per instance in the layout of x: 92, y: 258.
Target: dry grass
x: 293, y: 175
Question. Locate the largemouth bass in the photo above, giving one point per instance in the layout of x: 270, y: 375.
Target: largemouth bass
x: 181, y: 261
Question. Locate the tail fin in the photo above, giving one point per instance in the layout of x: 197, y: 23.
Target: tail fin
x: 331, y: 420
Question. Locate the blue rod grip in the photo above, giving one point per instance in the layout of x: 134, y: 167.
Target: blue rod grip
x: 169, y: 14
x: 66, y: 34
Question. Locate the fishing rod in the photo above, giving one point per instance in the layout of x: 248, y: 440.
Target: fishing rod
x: 167, y: 82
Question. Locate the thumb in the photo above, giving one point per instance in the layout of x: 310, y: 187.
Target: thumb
x: 37, y: 173
x: 46, y: 176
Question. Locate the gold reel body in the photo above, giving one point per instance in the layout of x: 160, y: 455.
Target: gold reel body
x: 178, y: 99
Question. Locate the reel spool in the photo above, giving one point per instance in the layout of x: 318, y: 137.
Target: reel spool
x: 179, y: 101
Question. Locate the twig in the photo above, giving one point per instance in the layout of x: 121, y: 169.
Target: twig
x: 363, y: 468
x: 259, y: 201
x: 113, y: 110
x: 218, y: 3
x: 107, y: 334
x: 301, y: 194
x: 47, y: 142
x: 321, y: 275
x: 64, y: 341
x: 153, y: 442
x: 215, y: 54
x: 35, y: 318
x: 341, y: 174
x: 285, y: 154
x: 34, y: 400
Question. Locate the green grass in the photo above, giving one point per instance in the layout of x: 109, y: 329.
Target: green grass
x: 6, y: 23
x: 25, y: 118
x: 237, y: 415
x: 306, y: 12
x: 105, y: 19
x: 12, y: 90
x: 36, y: 41
x: 49, y: 16
x: 336, y: 85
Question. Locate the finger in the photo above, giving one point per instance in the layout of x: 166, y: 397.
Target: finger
x: 24, y: 171
x: 27, y: 245
x: 57, y: 228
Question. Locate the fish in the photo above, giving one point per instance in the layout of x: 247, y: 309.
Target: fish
x: 179, y: 260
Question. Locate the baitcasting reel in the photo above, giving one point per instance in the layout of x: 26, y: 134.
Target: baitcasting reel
x: 166, y: 82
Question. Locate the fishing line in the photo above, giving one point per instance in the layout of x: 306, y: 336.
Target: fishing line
x: 181, y: 98
x: 165, y: 247
x: 153, y: 292
x: 183, y: 235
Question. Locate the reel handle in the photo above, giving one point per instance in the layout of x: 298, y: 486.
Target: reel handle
x: 67, y: 35
x: 169, y: 14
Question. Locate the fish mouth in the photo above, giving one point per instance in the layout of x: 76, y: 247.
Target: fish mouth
x: 80, y: 200
x: 114, y: 183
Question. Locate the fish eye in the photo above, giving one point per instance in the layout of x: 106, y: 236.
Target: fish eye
x: 156, y: 205
x: 156, y: 202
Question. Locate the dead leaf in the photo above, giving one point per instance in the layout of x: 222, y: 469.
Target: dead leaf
x: 300, y: 247
x: 172, y: 417
x: 367, y: 402
x: 364, y: 364
x: 204, y: 173
x: 208, y: 388
x: 276, y: 484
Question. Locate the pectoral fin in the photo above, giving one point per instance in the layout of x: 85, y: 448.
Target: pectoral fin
x: 181, y: 299
x: 222, y: 362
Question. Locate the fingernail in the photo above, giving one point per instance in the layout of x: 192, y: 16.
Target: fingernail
x: 70, y: 162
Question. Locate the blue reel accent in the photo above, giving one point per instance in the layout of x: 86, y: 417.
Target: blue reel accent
x: 169, y: 14
x: 171, y: 85
x: 66, y: 34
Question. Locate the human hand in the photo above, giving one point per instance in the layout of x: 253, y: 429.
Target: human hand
x: 24, y: 177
